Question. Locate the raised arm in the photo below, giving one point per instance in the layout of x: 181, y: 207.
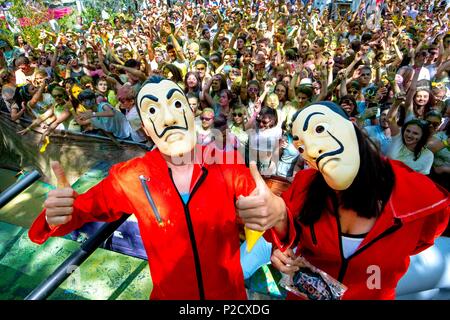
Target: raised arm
x: 205, y: 93
x: 137, y: 73
x: 243, y: 92
x: 410, y: 94
x: 392, y: 114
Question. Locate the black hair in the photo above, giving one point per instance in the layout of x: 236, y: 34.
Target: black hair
x: 199, y: 82
x: 223, y: 83
x: 433, y: 113
x: 291, y: 54
x: 86, y: 94
x: 365, y: 38
x: 205, y: 45
x: 190, y: 95
x: 355, y: 45
x: 320, y: 42
x: 425, y: 127
x: 352, y: 100
x: 20, y: 60
x: 269, y: 112
x: 220, y: 121
x: 176, y: 73
x: 367, y: 195
x: 305, y: 89
x: 200, y: 61
x: 286, y: 94
x: 132, y: 63
x: 22, y: 95
x: 16, y: 39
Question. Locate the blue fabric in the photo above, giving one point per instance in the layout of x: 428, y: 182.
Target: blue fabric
x: 185, y: 197
x: 253, y: 260
x: 376, y: 134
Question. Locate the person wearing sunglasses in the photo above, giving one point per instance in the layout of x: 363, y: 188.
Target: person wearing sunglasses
x: 239, y: 117
x: 204, y: 131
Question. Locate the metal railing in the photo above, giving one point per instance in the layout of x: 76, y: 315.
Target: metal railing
x: 49, y: 285
x: 19, y: 186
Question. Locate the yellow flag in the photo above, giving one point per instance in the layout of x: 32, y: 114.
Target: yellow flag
x: 252, y: 237
x: 44, y: 145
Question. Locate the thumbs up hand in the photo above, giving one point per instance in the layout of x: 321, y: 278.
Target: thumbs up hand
x: 59, y: 203
x: 261, y: 210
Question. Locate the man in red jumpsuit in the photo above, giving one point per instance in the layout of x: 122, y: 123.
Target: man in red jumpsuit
x: 354, y: 214
x: 183, y: 199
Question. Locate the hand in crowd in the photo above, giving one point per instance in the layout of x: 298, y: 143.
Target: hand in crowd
x: 85, y: 115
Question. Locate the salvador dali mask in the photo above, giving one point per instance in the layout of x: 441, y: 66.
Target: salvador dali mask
x: 167, y: 117
x: 327, y: 141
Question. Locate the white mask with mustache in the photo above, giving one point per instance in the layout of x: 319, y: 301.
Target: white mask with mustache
x: 167, y: 118
x: 327, y: 141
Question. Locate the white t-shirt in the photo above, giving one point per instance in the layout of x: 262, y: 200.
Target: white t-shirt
x: 135, y: 124
x: 424, y: 74
x: 204, y: 137
x: 398, y: 151
x: 22, y: 78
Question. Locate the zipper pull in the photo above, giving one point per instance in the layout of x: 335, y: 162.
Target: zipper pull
x: 144, y: 184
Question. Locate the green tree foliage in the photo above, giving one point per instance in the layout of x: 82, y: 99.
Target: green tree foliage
x: 35, y: 14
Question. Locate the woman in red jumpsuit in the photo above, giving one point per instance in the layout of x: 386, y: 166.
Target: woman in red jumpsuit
x: 355, y: 215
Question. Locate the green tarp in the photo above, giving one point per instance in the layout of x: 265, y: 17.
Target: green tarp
x: 104, y: 275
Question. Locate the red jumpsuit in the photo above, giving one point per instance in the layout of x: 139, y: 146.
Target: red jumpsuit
x: 195, y: 253
x: 416, y: 213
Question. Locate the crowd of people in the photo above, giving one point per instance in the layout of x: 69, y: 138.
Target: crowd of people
x: 247, y: 68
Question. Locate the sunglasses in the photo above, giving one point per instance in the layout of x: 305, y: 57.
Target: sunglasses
x: 253, y: 89
x: 353, y: 91
x: 264, y: 122
x: 57, y: 95
x: 435, y: 124
x: 205, y: 118
x: 347, y: 102
x: 237, y: 114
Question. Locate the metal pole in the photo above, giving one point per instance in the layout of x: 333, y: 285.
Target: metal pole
x: 10, y: 193
x: 46, y: 288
